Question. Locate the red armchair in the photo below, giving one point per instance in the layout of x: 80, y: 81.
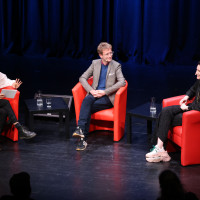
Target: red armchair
x: 112, y: 119
x: 10, y: 131
x: 187, y: 136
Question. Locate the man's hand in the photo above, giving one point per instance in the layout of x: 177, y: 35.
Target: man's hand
x: 17, y: 83
x: 93, y: 93
x: 2, y: 96
x: 97, y: 93
x: 184, y: 107
x: 100, y: 93
x: 184, y: 100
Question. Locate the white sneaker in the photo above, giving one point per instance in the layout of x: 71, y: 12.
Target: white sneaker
x: 156, y: 152
x: 159, y: 159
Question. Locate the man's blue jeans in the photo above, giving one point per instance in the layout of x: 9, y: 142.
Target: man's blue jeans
x: 89, y: 106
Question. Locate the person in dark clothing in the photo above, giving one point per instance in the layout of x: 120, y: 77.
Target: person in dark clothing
x: 172, y: 189
x: 172, y: 116
x: 6, y: 110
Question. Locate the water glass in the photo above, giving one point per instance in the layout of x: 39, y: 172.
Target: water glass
x: 39, y: 102
x: 48, y: 102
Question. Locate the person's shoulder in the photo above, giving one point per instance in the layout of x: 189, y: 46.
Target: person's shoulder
x: 96, y: 61
x: 115, y: 63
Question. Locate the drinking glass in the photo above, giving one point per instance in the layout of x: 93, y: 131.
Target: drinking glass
x: 48, y: 102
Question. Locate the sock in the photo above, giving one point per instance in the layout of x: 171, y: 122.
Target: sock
x: 19, y: 127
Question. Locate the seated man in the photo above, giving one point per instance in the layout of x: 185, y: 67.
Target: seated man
x: 172, y: 116
x: 107, y: 79
x: 7, y: 111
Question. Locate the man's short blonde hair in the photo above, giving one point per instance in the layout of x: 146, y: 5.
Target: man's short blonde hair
x: 102, y: 46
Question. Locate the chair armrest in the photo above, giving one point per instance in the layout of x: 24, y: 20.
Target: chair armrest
x: 79, y: 94
x: 191, y: 118
x: 15, y: 101
x: 120, y: 99
x: 172, y: 101
x: 190, y: 134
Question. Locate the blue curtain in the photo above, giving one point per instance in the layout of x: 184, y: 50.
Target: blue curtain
x: 145, y: 31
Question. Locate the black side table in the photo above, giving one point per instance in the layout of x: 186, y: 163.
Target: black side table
x: 58, y: 105
x: 142, y: 111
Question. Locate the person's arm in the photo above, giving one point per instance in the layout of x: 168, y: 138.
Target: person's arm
x: 85, y: 76
x: 120, y: 81
x: 5, y: 81
x: 184, y: 100
x: 192, y: 91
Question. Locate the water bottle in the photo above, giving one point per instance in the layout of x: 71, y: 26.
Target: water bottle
x: 152, y: 106
x: 39, y: 99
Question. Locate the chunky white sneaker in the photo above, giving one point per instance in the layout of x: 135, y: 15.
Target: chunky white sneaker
x: 156, y: 152
x: 159, y: 159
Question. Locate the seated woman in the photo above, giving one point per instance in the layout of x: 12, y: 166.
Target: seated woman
x: 172, y: 116
x: 7, y: 111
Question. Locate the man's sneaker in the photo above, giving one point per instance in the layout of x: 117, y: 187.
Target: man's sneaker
x: 82, y: 144
x: 78, y: 133
x: 25, y: 134
x: 156, y: 152
x: 166, y: 158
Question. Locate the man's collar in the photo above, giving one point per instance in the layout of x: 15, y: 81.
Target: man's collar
x: 104, y: 64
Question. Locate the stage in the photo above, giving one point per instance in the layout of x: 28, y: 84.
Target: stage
x: 106, y: 169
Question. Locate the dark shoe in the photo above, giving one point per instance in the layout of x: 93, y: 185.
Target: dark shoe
x: 0, y: 148
x: 25, y: 134
x: 78, y: 133
x: 82, y: 144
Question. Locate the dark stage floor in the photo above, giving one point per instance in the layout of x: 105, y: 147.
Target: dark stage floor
x: 105, y: 170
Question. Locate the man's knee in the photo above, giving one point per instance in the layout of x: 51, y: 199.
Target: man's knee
x: 88, y: 99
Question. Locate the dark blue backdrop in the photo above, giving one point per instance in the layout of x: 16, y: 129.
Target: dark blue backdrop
x: 146, y: 31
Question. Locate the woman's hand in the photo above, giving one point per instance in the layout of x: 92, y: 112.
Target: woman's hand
x: 184, y: 100
x: 184, y: 107
x: 17, y: 83
x: 2, y: 96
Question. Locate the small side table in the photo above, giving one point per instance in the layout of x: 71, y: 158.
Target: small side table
x: 142, y: 111
x: 58, y: 105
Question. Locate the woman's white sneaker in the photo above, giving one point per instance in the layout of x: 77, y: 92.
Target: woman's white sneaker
x: 157, y: 154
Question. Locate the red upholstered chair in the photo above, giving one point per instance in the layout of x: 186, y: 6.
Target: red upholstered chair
x: 10, y: 131
x: 187, y: 136
x: 112, y: 119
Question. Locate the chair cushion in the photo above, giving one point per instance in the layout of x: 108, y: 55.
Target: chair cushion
x: 106, y: 115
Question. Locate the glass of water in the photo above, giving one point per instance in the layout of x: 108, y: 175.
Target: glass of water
x: 39, y: 102
x: 39, y: 99
x: 48, y: 102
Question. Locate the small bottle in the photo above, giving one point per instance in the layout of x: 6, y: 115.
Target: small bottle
x: 153, y: 106
x: 39, y: 99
